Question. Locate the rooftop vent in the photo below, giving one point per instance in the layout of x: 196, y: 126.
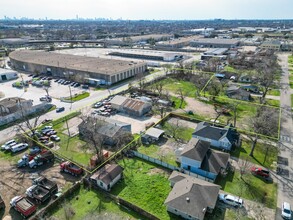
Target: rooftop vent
x: 187, y: 199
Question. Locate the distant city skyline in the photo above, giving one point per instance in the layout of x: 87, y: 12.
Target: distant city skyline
x: 148, y: 10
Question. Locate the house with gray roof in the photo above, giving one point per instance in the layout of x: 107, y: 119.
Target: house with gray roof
x: 197, y: 157
x: 218, y: 137
x: 190, y: 197
x: 107, y: 176
x: 235, y: 92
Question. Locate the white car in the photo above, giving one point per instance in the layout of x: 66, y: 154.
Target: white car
x: 231, y: 200
x: 8, y: 144
x: 286, y: 210
x: 19, y: 147
x: 55, y: 138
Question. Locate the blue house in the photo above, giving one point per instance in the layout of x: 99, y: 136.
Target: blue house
x: 197, y: 157
x: 222, y: 138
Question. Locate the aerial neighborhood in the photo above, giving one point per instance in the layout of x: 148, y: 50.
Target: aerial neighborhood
x: 122, y: 119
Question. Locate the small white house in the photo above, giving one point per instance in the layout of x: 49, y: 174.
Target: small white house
x: 107, y: 176
x: 6, y: 74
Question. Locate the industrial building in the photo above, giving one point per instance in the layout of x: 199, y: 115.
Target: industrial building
x: 215, y: 43
x: 214, y: 53
x: 176, y: 43
x: 78, y: 68
x: 7, y: 74
x: 149, y: 55
x: 272, y: 45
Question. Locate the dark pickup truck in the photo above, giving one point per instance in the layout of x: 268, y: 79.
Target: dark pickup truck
x: 38, y: 193
x: 46, y: 184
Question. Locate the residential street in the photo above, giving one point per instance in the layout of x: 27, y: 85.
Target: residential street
x: 285, y: 158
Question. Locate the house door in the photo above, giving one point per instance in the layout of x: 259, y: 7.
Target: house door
x: 3, y: 77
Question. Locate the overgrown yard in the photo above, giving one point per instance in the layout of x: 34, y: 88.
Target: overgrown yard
x: 275, y: 92
x: 144, y: 185
x: 93, y: 204
x: 250, y: 187
x: 178, y: 131
x: 264, y: 155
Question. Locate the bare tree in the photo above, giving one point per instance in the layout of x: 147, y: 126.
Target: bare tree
x: 244, y: 167
x: 200, y: 80
x: 181, y: 95
x: 263, y: 123
x: 159, y: 86
x: 214, y: 88
x: 173, y: 129
x: 68, y: 211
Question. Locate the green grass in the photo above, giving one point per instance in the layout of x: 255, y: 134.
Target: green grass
x: 183, y: 133
x: 86, y: 202
x: 290, y: 59
x: 227, y: 214
x: 251, y: 188
x: 154, y: 151
x: 291, y: 77
x: 273, y: 102
x: 291, y: 99
x: 259, y: 153
x: 58, y: 123
x: 144, y: 185
x: 291, y: 84
x: 74, y: 149
x: 172, y: 85
x: 177, y: 102
x: 78, y: 97
x: 274, y: 92
x: 8, y: 156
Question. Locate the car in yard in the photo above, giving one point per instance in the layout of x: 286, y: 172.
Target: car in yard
x: 230, y: 200
x: 46, y: 121
x: 70, y: 168
x: 55, y: 138
x: 23, y: 206
x: 286, y: 211
x: 8, y: 144
x: 258, y: 171
x: 19, y: 147
x: 60, y: 109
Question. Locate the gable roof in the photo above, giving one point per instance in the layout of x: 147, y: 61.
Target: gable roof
x: 205, y: 130
x: 118, y: 100
x: 196, y: 149
x: 214, y: 160
x: 134, y: 104
x: 107, y: 173
x: 154, y: 132
x: 192, y: 196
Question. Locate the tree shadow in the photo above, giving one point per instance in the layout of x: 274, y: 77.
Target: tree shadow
x: 222, y: 180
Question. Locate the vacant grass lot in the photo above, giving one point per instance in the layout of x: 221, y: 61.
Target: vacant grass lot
x: 264, y: 155
x: 85, y: 202
x: 250, y: 187
x: 154, y: 152
x: 183, y: 133
x: 145, y: 185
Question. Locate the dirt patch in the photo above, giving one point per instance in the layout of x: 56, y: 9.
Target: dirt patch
x: 157, y: 171
x: 182, y: 123
x: 73, y: 126
x: 199, y: 108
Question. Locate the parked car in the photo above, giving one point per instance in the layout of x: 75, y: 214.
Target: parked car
x: 46, y: 99
x: 46, y: 121
x: 23, y: 206
x: 8, y: 144
x: 49, y: 133
x: 55, y: 138
x: 56, y: 80
x: 258, y: 171
x: 286, y: 210
x: 231, y: 200
x: 76, y: 85
x: 61, y: 109
x: 49, y: 144
x: 70, y: 168
x: 38, y: 193
x: 47, y: 184
x: 85, y: 86
x: 47, y: 127
x: 35, y: 150
x: 19, y: 147
x: 43, y: 138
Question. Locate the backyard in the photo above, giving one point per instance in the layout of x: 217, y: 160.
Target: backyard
x: 144, y: 185
x: 88, y: 202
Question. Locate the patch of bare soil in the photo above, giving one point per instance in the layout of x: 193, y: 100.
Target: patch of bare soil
x: 199, y: 108
x: 157, y: 171
x: 73, y: 126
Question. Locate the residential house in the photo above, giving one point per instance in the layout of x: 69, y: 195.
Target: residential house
x: 218, y: 137
x: 133, y: 107
x: 197, y: 157
x: 107, y: 176
x: 245, y: 79
x: 251, y: 88
x: 191, y: 198
x: 108, y: 130
x: 236, y: 92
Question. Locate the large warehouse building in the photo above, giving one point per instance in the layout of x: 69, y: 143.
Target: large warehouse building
x: 78, y: 68
x: 215, y: 43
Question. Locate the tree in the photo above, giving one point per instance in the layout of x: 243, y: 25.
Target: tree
x: 68, y: 211
x: 173, y: 129
x: 159, y: 86
x: 214, y: 88
x: 200, y: 80
x: 181, y: 95
x: 263, y: 123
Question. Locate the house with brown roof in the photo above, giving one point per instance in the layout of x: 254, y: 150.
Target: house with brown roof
x: 133, y: 107
x: 107, y: 176
x: 197, y: 157
x: 190, y: 197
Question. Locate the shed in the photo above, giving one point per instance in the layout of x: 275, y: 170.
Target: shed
x: 152, y: 134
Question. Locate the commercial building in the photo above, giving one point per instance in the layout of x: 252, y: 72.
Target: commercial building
x: 14, y: 104
x: 215, y: 43
x: 176, y: 43
x: 272, y: 45
x: 216, y: 52
x: 7, y: 74
x: 78, y: 68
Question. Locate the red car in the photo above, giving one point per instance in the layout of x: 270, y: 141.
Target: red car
x: 258, y: 171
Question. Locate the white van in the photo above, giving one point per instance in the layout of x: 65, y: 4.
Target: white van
x: 19, y: 147
x: 7, y: 145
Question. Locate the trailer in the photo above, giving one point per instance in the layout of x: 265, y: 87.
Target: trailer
x: 38, y: 193
x: 46, y: 184
x: 23, y: 206
x: 70, y: 168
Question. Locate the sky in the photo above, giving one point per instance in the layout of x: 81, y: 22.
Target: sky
x: 148, y: 9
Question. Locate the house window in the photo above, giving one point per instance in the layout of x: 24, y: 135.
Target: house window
x: 101, y: 184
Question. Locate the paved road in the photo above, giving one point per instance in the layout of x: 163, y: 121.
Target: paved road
x: 83, y: 105
x: 285, y: 161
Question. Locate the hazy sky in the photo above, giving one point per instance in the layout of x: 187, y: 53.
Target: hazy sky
x: 148, y: 9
